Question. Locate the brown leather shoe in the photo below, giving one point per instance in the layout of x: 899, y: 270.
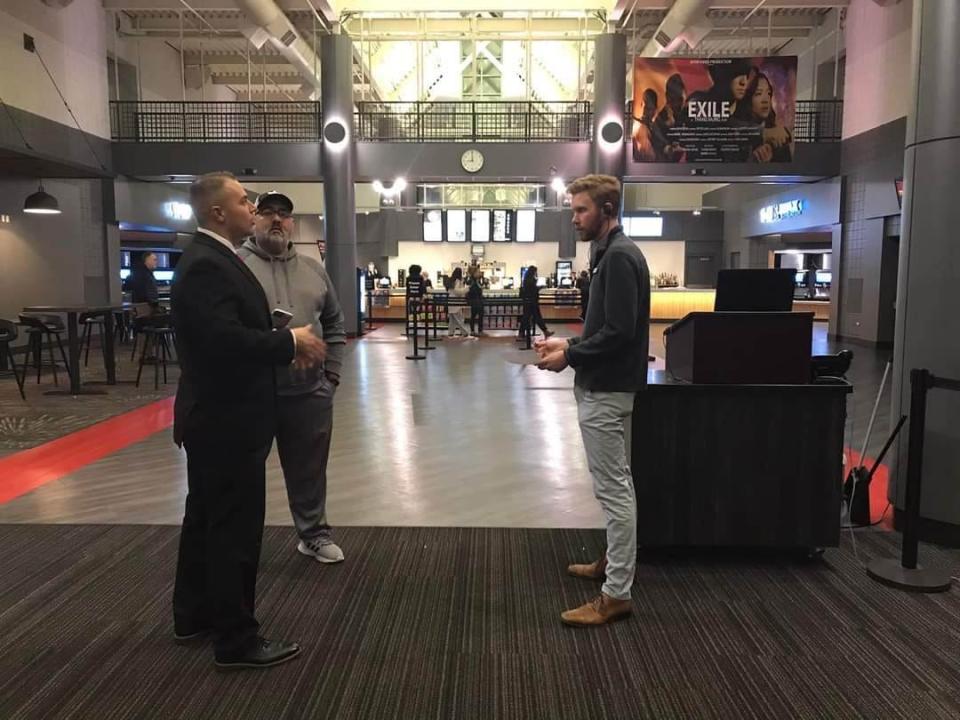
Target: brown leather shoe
x: 599, y: 611
x: 596, y: 570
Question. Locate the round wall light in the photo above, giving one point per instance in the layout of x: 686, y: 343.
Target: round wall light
x: 335, y: 132
x: 612, y: 132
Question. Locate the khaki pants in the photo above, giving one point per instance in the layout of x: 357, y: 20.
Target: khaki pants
x: 604, y: 419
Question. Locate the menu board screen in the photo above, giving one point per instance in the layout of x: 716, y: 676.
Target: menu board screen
x: 480, y: 226
x: 526, y: 225
x: 501, y: 230
x: 456, y: 225
x: 433, y: 226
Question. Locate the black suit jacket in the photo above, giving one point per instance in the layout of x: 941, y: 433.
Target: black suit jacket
x: 227, y: 349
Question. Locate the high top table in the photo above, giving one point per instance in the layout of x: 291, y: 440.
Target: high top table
x: 73, y: 342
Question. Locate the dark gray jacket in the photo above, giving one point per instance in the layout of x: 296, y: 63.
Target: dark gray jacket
x: 611, y: 354
x: 301, y: 286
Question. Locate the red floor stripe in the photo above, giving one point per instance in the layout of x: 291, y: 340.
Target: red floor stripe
x: 29, y: 469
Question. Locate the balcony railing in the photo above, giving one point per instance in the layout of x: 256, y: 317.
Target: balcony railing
x: 475, y: 122
x: 818, y: 121
x: 240, y: 122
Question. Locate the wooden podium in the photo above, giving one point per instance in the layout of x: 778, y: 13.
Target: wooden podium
x: 756, y: 348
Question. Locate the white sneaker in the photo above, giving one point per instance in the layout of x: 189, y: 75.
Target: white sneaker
x: 322, y: 550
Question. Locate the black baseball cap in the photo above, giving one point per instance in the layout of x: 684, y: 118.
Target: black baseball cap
x: 273, y: 197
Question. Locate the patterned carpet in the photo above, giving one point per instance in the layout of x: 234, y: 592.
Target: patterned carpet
x: 462, y: 623
x: 41, y: 418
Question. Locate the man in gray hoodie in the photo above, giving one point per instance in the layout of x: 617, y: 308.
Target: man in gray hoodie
x: 301, y: 287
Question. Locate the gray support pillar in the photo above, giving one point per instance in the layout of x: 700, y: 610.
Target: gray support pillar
x: 928, y: 292
x: 610, y: 96
x: 338, y: 155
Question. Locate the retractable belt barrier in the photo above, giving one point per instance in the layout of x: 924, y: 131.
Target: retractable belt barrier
x: 906, y: 574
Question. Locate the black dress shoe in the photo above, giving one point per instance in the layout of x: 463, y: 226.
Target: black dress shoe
x: 187, y: 637
x: 262, y: 653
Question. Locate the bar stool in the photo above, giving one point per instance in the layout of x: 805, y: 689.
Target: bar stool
x: 38, y: 325
x: 88, y: 321
x: 8, y: 333
x: 157, y: 336
x: 140, y: 315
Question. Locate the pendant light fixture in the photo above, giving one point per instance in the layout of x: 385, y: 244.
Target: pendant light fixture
x: 41, y: 203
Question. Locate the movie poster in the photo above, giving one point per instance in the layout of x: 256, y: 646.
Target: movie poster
x: 714, y: 110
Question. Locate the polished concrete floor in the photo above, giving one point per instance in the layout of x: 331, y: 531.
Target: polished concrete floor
x: 461, y: 439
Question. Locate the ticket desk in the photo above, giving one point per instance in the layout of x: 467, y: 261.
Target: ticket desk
x: 732, y: 461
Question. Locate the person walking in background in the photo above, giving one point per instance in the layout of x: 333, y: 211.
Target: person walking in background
x: 530, y: 297
x: 475, y: 300
x: 456, y: 289
x: 300, y: 286
x: 610, y: 360
x: 225, y: 416
x: 583, y: 285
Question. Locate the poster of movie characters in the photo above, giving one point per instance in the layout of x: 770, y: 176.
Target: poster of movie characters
x: 702, y: 110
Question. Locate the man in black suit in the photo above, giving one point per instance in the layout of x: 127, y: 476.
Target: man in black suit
x: 225, y: 417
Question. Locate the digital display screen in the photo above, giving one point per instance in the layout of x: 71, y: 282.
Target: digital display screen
x: 433, y: 226
x: 501, y: 229
x: 526, y: 225
x: 643, y: 226
x: 824, y: 276
x: 800, y: 278
x: 480, y: 226
x: 541, y: 281
x: 457, y: 226
x: 124, y: 273
x: 163, y: 275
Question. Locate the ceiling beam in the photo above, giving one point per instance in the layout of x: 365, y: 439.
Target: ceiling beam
x: 622, y: 7
x: 200, y: 5
x: 386, y: 29
x: 235, y: 78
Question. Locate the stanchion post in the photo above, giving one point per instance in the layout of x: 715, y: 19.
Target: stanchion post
x: 414, y: 305
x: 919, y: 384
x: 906, y: 575
x: 529, y: 328
x: 426, y: 305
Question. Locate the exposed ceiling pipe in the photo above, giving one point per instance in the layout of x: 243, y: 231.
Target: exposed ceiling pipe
x: 686, y: 21
x: 274, y: 26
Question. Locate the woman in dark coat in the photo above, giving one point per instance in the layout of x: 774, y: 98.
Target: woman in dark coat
x: 530, y: 295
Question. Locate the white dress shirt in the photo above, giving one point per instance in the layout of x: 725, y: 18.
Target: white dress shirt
x: 219, y: 238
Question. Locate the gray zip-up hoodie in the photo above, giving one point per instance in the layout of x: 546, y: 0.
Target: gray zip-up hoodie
x: 301, y: 286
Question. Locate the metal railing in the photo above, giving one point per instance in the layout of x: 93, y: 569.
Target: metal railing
x: 814, y: 121
x: 818, y: 121
x: 240, y: 122
x: 488, y: 121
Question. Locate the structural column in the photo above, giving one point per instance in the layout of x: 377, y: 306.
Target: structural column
x: 610, y: 93
x: 338, y: 156
x: 928, y: 292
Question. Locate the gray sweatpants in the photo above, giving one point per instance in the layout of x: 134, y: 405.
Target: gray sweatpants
x: 304, y: 425
x: 603, y: 418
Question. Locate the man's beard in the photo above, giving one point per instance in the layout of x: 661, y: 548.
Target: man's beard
x: 273, y: 243
x: 592, y: 232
